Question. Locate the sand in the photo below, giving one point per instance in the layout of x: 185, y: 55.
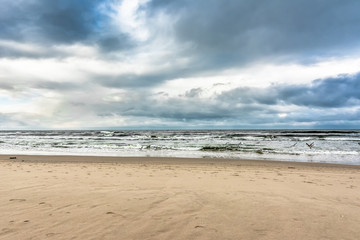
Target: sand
x: 49, y: 197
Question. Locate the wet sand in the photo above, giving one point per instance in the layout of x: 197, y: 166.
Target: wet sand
x: 67, y: 197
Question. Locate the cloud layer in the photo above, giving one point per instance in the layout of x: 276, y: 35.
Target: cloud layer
x: 179, y: 64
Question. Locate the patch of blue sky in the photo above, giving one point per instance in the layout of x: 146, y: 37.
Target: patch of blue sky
x: 9, y: 101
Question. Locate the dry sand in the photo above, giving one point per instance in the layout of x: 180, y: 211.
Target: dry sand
x: 48, y: 197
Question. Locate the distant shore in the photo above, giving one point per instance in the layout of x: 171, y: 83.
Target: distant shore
x: 90, y: 197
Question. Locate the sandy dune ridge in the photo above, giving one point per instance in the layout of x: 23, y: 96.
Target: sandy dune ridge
x: 68, y: 197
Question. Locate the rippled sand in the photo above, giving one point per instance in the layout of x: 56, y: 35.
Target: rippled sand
x: 48, y: 197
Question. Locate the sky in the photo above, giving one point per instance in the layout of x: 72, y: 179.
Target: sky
x: 179, y: 64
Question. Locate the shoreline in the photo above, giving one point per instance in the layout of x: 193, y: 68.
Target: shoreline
x: 161, y: 160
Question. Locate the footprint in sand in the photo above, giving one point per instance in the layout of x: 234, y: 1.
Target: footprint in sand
x: 309, y: 182
x: 51, y: 234
x: 199, y: 226
x: 17, y: 200
x: 7, y: 230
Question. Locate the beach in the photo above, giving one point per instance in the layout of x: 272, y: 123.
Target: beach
x: 83, y: 197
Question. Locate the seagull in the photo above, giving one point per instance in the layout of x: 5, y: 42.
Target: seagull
x: 310, y: 145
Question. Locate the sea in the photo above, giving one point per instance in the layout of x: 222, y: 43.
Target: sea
x: 329, y: 146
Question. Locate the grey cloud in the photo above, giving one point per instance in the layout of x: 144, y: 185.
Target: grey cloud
x: 211, y: 35
x: 115, y: 42
x: 57, y: 86
x: 334, y: 92
x: 57, y: 22
x: 144, y: 80
x: 16, y: 53
x: 238, y: 31
x: 171, y: 109
x: 220, y: 34
x: 242, y: 107
x: 129, y: 80
x: 247, y: 95
x: 6, y: 85
x: 24, y: 86
x: 323, y: 103
x: 43, y: 51
x: 189, y: 107
x: 67, y: 21
x: 195, y: 92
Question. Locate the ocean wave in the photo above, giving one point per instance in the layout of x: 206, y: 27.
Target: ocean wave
x: 264, y: 144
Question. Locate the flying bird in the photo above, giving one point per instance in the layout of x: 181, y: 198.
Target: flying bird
x: 310, y: 145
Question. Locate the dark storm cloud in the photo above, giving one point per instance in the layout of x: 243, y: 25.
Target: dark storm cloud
x: 57, y: 22
x: 226, y: 33
x: 237, y: 31
x: 234, y: 33
x: 334, y: 92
